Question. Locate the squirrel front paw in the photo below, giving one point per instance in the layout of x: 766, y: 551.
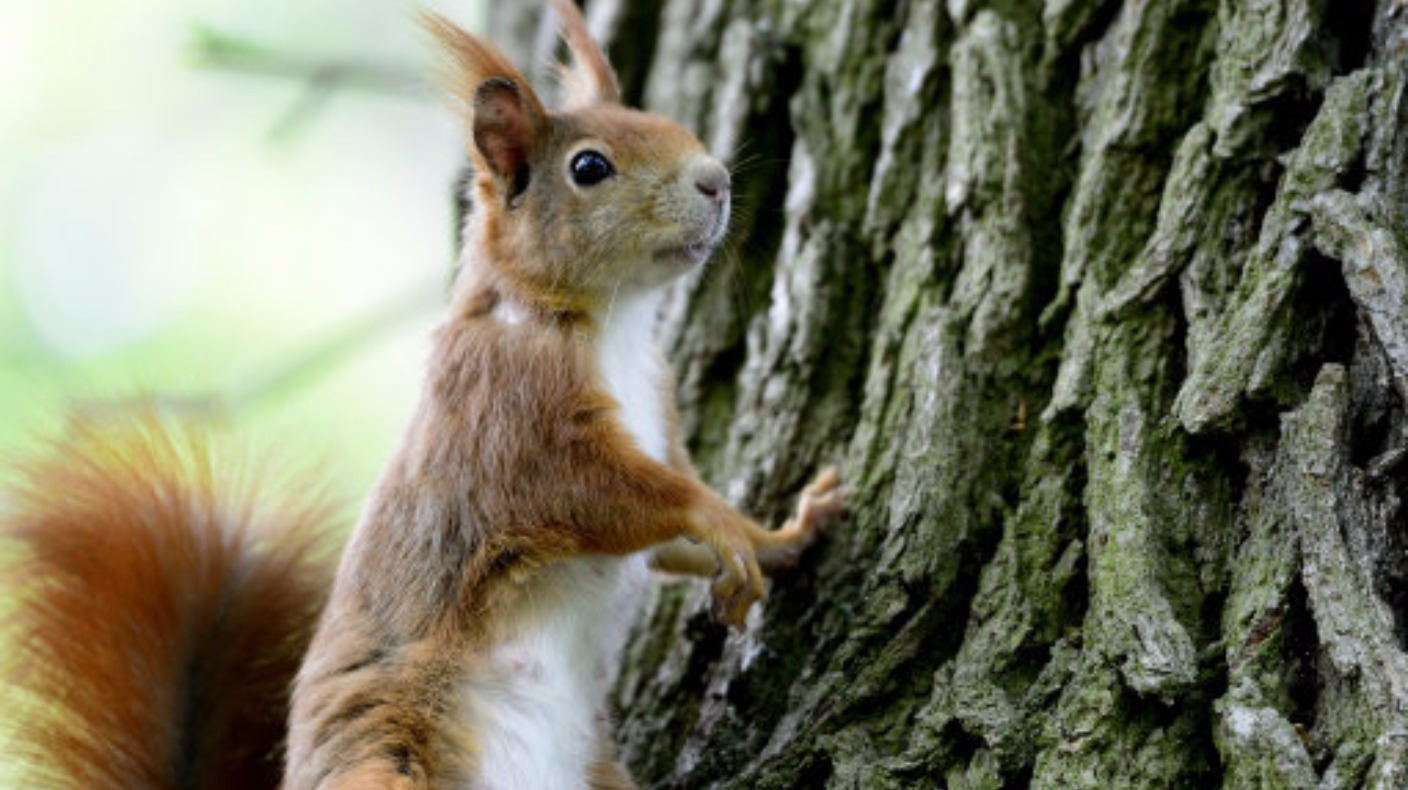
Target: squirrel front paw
x: 739, y: 580
x: 745, y: 549
x: 738, y: 585
x: 823, y: 500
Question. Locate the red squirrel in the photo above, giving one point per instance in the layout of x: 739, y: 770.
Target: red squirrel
x: 473, y: 617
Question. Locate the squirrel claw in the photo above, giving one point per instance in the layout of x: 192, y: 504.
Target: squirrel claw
x: 735, y: 590
x: 822, y: 500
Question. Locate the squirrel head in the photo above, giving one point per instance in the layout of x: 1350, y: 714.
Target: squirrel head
x: 595, y: 199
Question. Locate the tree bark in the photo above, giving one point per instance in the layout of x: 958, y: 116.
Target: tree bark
x: 1103, y: 308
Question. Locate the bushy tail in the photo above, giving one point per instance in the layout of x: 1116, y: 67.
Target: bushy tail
x: 157, y: 604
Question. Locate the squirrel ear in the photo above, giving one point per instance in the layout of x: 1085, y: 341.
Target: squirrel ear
x: 506, y: 119
x: 505, y: 132
x: 589, y: 79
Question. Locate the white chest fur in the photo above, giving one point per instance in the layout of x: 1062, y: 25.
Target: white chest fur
x: 538, y: 706
x: 632, y: 370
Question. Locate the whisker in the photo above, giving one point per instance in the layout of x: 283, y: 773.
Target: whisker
x: 743, y: 164
x: 738, y: 150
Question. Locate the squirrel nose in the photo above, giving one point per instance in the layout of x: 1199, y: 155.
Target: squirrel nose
x: 713, y: 183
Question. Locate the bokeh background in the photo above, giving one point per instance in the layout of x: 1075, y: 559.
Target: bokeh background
x: 244, y: 208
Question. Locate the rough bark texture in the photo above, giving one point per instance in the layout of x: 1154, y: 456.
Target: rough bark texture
x: 1103, y: 307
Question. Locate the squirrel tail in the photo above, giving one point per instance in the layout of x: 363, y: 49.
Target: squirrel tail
x: 156, y: 607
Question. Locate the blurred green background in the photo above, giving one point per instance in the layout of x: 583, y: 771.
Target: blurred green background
x: 244, y: 207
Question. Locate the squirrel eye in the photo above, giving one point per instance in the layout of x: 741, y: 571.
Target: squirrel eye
x: 590, y: 168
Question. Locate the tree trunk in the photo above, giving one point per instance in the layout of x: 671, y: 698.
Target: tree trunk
x: 1103, y: 309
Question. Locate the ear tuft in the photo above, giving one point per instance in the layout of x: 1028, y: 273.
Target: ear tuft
x: 467, y: 59
x: 589, y: 79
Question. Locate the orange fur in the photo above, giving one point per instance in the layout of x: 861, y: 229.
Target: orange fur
x: 163, y: 609
x: 469, y: 61
x: 589, y: 78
